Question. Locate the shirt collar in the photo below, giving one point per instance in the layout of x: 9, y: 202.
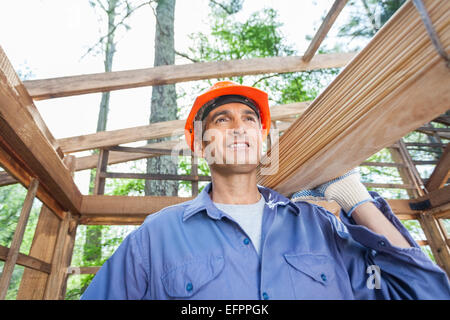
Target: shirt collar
x: 203, y: 202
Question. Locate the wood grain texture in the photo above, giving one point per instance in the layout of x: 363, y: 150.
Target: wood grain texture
x: 161, y: 75
x: 441, y: 172
x: 373, y: 102
x: 25, y: 142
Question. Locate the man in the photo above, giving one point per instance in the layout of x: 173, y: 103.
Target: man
x: 240, y: 240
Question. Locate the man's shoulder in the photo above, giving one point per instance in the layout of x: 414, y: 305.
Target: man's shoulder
x: 172, y: 213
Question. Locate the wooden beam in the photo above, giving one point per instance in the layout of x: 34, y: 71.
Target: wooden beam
x: 15, y: 170
x: 83, y: 270
x: 125, y: 210
x: 382, y: 164
x: 13, y: 252
x: 153, y: 176
x: 389, y: 185
x: 32, y: 285
x: 369, y: 105
x: 29, y: 262
x: 6, y: 179
x: 156, y: 130
x: 99, y: 187
x: 161, y: 75
x: 436, y: 241
x: 89, y: 162
x: 432, y: 200
x: 54, y: 280
x: 326, y: 25
x: 24, y: 142
x: 441, y: 172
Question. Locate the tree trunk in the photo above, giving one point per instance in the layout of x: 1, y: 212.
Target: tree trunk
x: 164, y: 98
x: 92, y: 250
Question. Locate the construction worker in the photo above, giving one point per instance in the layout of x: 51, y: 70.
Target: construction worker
x: 240, y: 240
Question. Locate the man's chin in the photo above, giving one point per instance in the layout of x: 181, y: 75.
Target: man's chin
x: 234, y: 167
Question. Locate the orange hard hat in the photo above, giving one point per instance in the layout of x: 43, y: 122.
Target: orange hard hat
x: 223, y: 88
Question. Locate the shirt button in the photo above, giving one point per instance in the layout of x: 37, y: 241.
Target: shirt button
x: 246, y: 241
x: 265, y: 296
x: 189, y: 287
x: 324, y: 277
x: 382, y: 243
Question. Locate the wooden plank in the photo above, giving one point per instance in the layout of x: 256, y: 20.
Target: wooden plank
x: 432, y: 200
x: 434, y: 129
x: 161, y: 75
x: 33, y: 283
x: 89, y: 162
x: 441, y: 172
x: 404, y: 172
x: 122, y: 205
x: 29, y: 262
x: 83, y: 270
x: 152, y: 151
x: 154, y: 176
x: 54, y: 279
x: 436, y: 241
x: 13, y: 253
x: 25, y: 142
x: 126, y: 210
x: 15, y: 170
x: 389, y: 185
x: 62, y: 254
x: 382, y: 164
x: 156, y: 130
x: 99, y: 187
x: 326, y: 25
x: 421, y: 144
x: 377, y: 99
x: 6, y: 179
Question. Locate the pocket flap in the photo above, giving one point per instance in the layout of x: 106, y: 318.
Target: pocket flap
x: 186, y: 279
x: 320, y: 267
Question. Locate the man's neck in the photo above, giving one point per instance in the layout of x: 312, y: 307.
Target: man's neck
x: 234, y: 188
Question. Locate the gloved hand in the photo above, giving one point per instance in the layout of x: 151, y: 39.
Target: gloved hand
x: 347, y: 190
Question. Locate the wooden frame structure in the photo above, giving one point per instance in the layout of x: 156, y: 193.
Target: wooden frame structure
x: 30, y: 155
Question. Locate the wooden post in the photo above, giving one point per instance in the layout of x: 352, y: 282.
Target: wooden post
x: 436, y: 241
x: 99, y: 187
x: 11, y: 259
x: 62, y: 253
x: 399, y: 156
x: 32, y: 285
x: 194, y: 173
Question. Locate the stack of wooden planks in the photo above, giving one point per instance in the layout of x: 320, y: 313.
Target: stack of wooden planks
x: 394, y: 85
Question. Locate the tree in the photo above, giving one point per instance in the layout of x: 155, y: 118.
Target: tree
x: 368, y: 16
x: 164, y: 98
x: 115, y: 13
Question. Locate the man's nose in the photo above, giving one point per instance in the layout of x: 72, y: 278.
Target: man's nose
x: 238, y: 127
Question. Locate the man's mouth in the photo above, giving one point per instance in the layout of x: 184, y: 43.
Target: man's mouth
x: 239, y: 145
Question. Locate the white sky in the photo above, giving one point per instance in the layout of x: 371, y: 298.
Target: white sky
x: 49, y: 37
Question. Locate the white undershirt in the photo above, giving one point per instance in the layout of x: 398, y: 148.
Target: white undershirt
x: 248, y: 216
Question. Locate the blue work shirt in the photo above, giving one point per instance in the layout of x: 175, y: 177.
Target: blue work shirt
x: 193, y: 250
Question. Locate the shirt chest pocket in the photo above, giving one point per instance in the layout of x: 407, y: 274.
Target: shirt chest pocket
x: 313, y: 276
x: 190, y: 279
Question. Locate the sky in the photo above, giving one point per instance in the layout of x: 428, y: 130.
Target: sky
x: 48, y: 38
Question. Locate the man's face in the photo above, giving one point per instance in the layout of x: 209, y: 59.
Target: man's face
x: 232, y: 138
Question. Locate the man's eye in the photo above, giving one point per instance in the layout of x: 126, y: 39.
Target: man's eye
x: 220, y: 120
x: 251, y: 118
